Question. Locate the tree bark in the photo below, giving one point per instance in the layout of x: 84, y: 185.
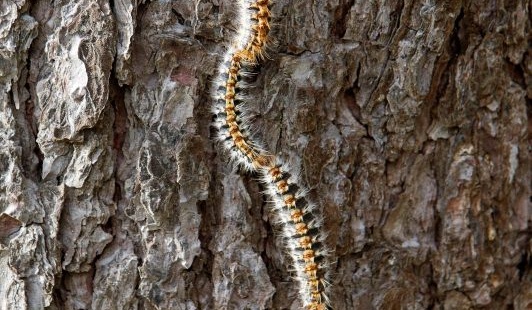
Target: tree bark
x: 407, y: 119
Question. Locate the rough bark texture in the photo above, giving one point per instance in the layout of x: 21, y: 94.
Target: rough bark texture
x: 409, y: 120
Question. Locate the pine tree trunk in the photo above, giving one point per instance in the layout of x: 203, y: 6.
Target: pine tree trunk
x: 407, y: 119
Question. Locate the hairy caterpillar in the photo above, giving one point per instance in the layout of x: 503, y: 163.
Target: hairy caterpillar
x: 301, y: 221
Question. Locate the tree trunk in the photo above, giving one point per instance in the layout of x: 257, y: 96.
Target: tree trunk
x: 407, y: 119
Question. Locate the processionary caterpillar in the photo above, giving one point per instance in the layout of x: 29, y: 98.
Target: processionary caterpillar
x: 301, y: 221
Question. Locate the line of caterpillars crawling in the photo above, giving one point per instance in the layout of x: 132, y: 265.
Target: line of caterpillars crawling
x: 300, y: 220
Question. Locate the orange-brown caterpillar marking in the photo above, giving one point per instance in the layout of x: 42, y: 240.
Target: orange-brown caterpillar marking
x: 282, y: 186
x: 301, y: 228
x: 231, y: 118
x: 311, y: 270
x: 308, y: 255
x: 296, y: 215
x: 317, y: 306
x: 314, y: 284
x: 316, y: 295
x: 263, y: 161
x: 275, y: 173
x: 305, y: 242
x: 290, y: 201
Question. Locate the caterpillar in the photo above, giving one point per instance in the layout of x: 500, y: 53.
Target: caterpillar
x: 301, y: 221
